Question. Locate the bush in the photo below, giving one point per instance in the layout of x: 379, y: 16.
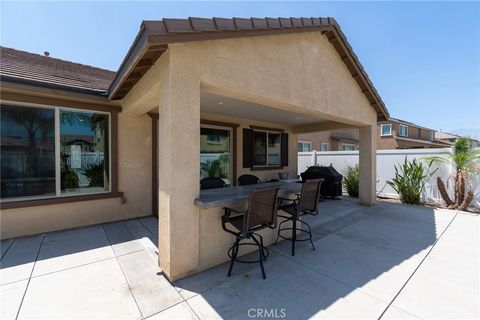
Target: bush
x: 351, y: 179
x: 69, y: 179
x: 409, y: 181
x: 94, y: 173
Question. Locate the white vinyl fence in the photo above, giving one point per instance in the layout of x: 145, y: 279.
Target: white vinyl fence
x: 386, y: 160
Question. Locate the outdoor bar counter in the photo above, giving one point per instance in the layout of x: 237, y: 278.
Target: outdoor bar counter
x: 214, y: 242
x: 225, y: 197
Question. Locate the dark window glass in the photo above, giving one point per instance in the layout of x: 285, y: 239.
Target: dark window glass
x: 273, y: 149
x: 27, y: 154
x: 259, y: 148
x: 84, y: 152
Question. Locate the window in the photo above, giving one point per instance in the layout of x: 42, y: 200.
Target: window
x: 432, y: 136
x: 403, y: 131
x: 53, y: 152
x: 266, y: 148
x: 386, y: 129
x: 84, y: 161
x: 214, y: 139
x: 304, y: 146
x: 348, y: 147
x: 324, y: 146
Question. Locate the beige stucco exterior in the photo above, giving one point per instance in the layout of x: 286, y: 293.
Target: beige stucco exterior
x: 300, y: 73
x: 134, y: 180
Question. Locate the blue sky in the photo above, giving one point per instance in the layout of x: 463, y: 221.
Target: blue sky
x: 423, y: 57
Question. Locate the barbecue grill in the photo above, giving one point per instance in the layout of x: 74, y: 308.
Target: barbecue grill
x: 332, y: 186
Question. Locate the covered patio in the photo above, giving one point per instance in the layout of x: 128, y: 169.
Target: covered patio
x: 389, y: 261
x: 254, y: 91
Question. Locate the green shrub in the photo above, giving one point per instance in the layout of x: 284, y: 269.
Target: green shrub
x: 94, y: 173
x: 409, y: 181
x: 351, y: 179
x: 69, y: 179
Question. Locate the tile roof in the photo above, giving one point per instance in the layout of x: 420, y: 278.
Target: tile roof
x: 21, y: 66
x: 154, y: 37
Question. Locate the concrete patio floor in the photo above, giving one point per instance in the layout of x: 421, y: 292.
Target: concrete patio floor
x: 389, y: 261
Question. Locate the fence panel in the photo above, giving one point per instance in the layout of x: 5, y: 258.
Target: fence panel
x: 386, y: 161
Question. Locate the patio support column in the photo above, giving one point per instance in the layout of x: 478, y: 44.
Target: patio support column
x: 179, y: 175
x: 368, y: 164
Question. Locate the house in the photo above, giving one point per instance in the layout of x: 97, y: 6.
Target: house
x: 449, y: 138
x: 399, y: 134
x: 259, y: 82
x: 334, y: 140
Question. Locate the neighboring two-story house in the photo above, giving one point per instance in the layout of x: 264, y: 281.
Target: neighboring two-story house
x: 392, y: 134
x: 333, y: 140
x: 450, y: 138
x: 400, y: 134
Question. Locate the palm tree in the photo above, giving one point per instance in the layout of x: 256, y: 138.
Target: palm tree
x: 467, y: 163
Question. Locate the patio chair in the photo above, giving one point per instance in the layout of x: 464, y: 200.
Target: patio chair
x: 211, y: 183
x: 304, y: 203
x: 247, y: 179
x: 261, y: 214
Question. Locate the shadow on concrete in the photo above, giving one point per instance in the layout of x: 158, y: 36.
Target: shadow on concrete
x: 375, y: 249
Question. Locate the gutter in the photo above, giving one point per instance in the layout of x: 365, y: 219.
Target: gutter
x: 49, y: 85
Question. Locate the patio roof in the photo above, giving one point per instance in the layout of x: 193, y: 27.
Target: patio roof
x: 155, y: 36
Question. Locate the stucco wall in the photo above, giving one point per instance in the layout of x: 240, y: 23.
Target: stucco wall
x: 300, y: 72
x: 134, y: 179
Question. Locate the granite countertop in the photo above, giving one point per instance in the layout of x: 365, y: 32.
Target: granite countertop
x: 214, y: 198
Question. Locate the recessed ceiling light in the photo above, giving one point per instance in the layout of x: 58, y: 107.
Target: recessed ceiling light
x: 220, y: 102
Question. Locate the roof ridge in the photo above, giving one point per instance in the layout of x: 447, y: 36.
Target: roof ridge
x: 57, y: 59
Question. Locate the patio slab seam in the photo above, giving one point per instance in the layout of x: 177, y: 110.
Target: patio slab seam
x: 146, y: 228
x: 70, y: 268
x: 123, y: 273
x: 9, y: 246
x: 30, y: 278
x: 416, y: 269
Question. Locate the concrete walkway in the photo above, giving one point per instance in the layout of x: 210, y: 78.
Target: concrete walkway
x: 388, y: 261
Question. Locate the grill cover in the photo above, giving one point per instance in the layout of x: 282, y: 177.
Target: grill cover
x: 332, y: 186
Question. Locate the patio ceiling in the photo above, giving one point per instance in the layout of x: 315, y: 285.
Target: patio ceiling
x: 222, y: 105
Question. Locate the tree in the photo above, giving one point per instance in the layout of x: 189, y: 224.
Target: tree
x: 467, y: 163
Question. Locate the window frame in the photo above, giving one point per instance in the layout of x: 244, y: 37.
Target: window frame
x: 381, y: 129
x: 30, y: 201
x: 400, y: 130
x: 350, y: 145
x: 324, y: 144
x: 306, y: 142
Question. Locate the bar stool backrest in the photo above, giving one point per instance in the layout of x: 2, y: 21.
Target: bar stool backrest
x: 247, y: 179
x: 310, y: 195
x: 262, y: 208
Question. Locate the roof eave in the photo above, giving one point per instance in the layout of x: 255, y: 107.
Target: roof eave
x: 155, y: 34
x: 48, y: 85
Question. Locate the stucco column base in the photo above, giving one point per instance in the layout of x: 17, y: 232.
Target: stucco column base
x: 179, y: 175
x: 368, y: 165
